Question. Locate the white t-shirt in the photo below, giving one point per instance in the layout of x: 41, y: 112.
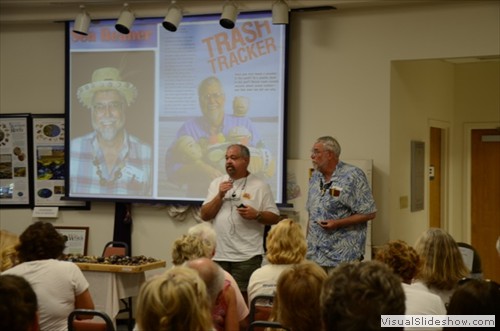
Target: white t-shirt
x: 422, y: 302
x: 56, y: 284
x: 263, y: 280
x: 445, y: 295
x: 239, y: 239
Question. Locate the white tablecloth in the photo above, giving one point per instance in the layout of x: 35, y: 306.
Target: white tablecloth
x: 107, y: 288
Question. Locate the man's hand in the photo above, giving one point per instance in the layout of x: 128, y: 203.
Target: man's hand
x: 327, y: 224
x: 247, y: 212
x: 224, y: 187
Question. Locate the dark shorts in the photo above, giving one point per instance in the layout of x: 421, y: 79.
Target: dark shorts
x: 241, y: 271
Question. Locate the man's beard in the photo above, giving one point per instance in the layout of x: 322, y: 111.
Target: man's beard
x: 108, y: 132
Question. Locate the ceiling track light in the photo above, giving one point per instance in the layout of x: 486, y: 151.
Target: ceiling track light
x: 82, y: 22
x: 229, y: 14
x: 125, y: 21
x: 280, y: 12
x: 173, y: 17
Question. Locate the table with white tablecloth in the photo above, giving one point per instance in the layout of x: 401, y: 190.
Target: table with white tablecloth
x: 108, y: 284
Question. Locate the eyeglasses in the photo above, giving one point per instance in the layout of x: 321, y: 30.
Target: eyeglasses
x: 113, y: 106
x: 316, y: 152
x: 215, y: 95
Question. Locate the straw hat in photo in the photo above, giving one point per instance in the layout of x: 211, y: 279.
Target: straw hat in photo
x: 104, y: 79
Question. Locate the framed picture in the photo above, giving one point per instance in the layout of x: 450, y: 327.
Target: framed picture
x: 15, y: 161
x: 76, y: 239
x: 49, y: 163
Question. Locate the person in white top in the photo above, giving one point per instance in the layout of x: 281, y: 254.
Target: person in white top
x: 286, y: 246
x: 60, y: 286
x: 405, y: 262
x: 239, y: 205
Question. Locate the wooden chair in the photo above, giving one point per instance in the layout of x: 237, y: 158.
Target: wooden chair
x: 119, y: 248
x: 104, y: 324
x: 260, y: 310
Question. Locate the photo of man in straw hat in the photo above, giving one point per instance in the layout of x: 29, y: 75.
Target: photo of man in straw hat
x: 109, y: 160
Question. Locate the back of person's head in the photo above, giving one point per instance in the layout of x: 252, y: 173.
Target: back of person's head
x: 8, y: 253
x: 296, y: 304
x: 356, y: 294
x: 443, y: 265
x: 211, y: 273
x: 206, y: 232
x: 175, y: 300
x: 286, y: 243
x: 188, y: 247
x: 40, y: 241
x: 18, y: 304
x: 401, y: 258
x: 475, y: 297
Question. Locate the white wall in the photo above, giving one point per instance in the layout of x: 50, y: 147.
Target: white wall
x: 339, y: 84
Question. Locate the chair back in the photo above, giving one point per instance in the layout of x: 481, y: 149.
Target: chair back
x: 261, y: 307
x: 103, y: 324
x: 119, y: 248
x: 472, y: 259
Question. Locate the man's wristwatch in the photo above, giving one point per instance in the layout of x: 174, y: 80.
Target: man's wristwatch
x: 259, y: 216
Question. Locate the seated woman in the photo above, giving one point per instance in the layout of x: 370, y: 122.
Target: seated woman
x: 59, y: 285
x: 286, y: 246
x: 443, y: 265
x: 405, y: 262
x: 175, y: 300
x: 220, y: 292
x: 297, y: 299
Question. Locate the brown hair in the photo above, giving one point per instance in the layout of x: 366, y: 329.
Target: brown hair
x: 443, y: 264
x: 40, y: 241
x: 401, y: 258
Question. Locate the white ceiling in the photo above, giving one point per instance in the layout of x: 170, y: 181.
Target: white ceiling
x: 35, y: 11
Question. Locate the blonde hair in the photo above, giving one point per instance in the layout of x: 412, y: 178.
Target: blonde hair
x: 443, y: 264
x: 286, y: 243
x: 175, y: 300
x: 296, y: 303
x: 8, y: 252
x: 188, y: 247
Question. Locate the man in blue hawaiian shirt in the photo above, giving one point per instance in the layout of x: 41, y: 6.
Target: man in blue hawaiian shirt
x: 339, y: 203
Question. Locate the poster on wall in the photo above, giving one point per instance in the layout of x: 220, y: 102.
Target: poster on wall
x: 49, y: 163
x: 15, y: 190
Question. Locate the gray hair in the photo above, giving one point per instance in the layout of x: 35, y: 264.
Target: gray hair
x: 205, y: 231
x: 330, y: 144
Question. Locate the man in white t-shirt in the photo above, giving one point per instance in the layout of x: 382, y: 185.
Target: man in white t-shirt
x: 239, y: 205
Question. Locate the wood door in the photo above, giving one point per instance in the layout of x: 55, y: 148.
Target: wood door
x: 485, y: 198
x: 435, y: 179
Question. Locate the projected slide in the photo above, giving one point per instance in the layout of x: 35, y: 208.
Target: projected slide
x: 152, y: 113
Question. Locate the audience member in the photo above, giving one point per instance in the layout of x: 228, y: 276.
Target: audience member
x: 18, y: 305
x: 220, y: 293
x: 405, y: 262
x: 475, y: 297
x: 296, y: 304
x: 201, y: 243
x: 356, y: 294
x: 8, y: 254
x: 59, y: 285
x: 239, y: 205
x: 443, y: 265
x: 286, y: 245
x: 175, y: 300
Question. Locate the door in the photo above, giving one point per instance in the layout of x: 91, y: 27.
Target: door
x: 485, y: 198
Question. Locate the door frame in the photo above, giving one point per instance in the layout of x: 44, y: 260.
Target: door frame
x: 466, y: 195
x: 445, y: 171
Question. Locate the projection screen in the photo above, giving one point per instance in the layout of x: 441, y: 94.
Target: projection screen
x: 150, y: 114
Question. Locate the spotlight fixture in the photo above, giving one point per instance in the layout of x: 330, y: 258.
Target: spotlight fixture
x: 125, y: 21
x: 82, y: 22
x: 229, y: 14
x: 173, y: 17
x: 280, y: 12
